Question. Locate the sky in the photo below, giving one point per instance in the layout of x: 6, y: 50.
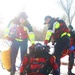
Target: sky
x: 35, y: 9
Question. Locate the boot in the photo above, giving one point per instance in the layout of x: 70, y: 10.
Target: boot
x: 70, y: 73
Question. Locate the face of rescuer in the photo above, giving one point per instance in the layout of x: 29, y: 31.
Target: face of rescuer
x: 47, y: 20
x: 23, y: 17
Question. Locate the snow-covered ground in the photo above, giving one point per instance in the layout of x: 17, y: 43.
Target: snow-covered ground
x: 64, y: 68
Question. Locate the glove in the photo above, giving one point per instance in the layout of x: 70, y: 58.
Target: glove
x: 72, y: 48
x: 21, y: 74
x: 46, y: 48
x: 32, y: 47
x: 46, y: 42
x: 56, y: 72
x: 53, y: 42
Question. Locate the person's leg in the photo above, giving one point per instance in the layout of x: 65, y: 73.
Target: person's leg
x: 14, y: 51
x: 71, y: 62
x: 61, y: 44
x: 23, y: 46
x: 57, y: 54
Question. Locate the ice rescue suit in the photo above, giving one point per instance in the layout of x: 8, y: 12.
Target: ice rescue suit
x: 60, y: 33
x: 39, y: 64
x: 20, y: 35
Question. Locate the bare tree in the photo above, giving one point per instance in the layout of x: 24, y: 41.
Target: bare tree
x: 69, y: 9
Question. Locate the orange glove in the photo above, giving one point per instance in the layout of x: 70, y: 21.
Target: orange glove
x: 45, y: 42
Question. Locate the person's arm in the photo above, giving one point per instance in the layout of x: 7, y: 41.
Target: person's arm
x: 23, y: 65
x: 54, y: 65
x: 7, y: 30
x: 48, y: 37
x: 50, y: 31
x: 31, y: 33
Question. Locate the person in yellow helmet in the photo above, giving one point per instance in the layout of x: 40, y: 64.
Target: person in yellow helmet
x: 59, y: 32
x: 19, y: 31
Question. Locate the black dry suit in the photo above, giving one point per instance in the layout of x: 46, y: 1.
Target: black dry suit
x: 60, y: 33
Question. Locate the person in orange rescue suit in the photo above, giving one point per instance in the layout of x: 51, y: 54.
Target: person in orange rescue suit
x: 72, y: 51
x: 57, y: 30
x: 19, y: 31
x: 39, y: 62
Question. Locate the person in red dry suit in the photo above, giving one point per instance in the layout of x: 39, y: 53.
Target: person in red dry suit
x: 39, y: 62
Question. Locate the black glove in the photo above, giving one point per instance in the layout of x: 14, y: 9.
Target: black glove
x: 56, y: 72
x: 21, y: 74
x: 46, y: 48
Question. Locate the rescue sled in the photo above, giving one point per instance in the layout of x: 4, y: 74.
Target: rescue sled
x: 5, y: 56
